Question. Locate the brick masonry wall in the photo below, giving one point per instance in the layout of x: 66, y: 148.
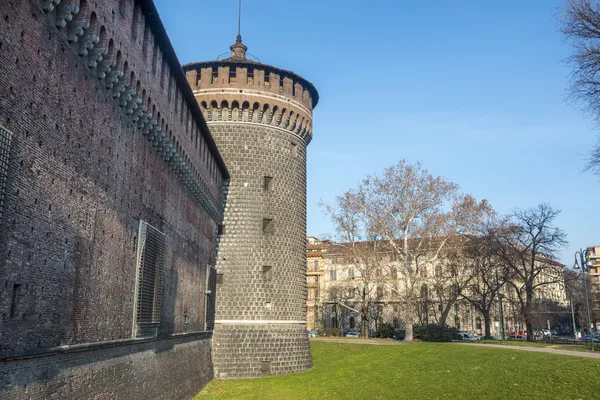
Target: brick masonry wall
x: 253, y: 152
x: 80, y: 178
x: 150, y: 370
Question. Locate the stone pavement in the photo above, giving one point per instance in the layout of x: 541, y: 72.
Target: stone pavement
x: 563, y: 352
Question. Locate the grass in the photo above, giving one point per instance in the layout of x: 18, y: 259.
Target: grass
x: 422, y: 371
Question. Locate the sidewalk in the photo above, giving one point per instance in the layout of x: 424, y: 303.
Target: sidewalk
x: 575, y: 353
x: 384, y: 342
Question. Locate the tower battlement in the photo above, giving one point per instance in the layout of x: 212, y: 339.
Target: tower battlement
x: 245, y: 91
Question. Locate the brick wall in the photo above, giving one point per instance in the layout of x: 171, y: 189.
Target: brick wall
x: 90, y: 157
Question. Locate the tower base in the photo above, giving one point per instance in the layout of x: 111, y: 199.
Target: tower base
x: 249, y: 350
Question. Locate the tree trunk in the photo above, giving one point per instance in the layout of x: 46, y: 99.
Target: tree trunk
x: 408, y: 329
x: 486, y: 322
x: 527, y: 315
x: 444, y: 315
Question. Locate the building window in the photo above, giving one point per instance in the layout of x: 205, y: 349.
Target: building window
x: 351, y: 273
x: 351, y: 293
x: 232, y: 74
x: 477, y: 323
x: 250, y: 76
x: 379, y: 291
x: 423, y: 272
x: 294, y: 149
x: 149, y: 277
x: 220, y: 229
x: 267, y: 79
x: 333, y: 275
x: 214, y: 77
x: 438, y: 271
x: 5, y: 139
x: 352, y: 323
x: 394, y: 273
x: 316, y: 264
x: 268, y: 226
x: 268, y: 183
x: 267, y: 273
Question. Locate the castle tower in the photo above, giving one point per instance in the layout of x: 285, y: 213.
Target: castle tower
x: 261, y: 119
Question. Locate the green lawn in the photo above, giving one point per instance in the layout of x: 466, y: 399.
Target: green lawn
x: 422, y: 371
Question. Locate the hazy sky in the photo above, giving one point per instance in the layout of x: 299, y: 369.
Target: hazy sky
x: 475, y: 90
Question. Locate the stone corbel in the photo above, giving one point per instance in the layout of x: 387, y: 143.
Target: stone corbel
x: 126, y: 96
x: 132, y: 105
x: 95, y: 56
x: 87, y: 43
x: 119, y: 87
x: 137, y: 113
x: 48, y: 5
x: 65, y: 13
x: 103, y: 68
x: 144, y: 119
x: 76, y: 28
x: 111, y: 78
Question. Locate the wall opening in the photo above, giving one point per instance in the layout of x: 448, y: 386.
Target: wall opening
x: 267, y: 273
x: 268, y: 183
x: 268, y: 226
x: 149, y: 278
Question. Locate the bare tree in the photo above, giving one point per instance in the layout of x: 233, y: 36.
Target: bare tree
x: 580, y: 23
x: 489, y: 277
x: 356, y: 249
x: 528, y: 246
x: 416, y: 213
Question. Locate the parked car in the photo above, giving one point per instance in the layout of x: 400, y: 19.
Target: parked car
x: 312, y: 332
x: 518, y: 336
x: 595, y: 336
x: 467, y: 336
x: 352, y: 334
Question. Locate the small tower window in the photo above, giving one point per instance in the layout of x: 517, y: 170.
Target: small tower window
x: 221, y: 229
x: 267, y: 273
x: 198, y: 77
x: 214, y: 78
x: 268, y: 226
x: 267, y: 79
x: 232, y: 75
x: 294, y: 149
x: 250, y: 77
x: 268, y: 183
x: 281, y: 83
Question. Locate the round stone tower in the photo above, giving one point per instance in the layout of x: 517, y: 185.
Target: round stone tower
x: 261, y: 119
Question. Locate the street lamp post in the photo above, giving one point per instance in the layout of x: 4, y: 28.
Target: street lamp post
x: 501, y: 317
x: 584, y: 263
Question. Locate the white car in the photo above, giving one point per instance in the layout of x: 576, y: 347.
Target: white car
x: 467, y: 336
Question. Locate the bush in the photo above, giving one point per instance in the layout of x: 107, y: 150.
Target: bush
x: 385, y: 331
x: 435, y: 333
x: 329, y: 332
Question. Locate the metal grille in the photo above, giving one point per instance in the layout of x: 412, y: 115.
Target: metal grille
x: 211, y: 287
x: 5, y: 139
x: 150, y: 265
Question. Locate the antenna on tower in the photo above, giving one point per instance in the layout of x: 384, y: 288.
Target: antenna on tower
x: 239, y: 35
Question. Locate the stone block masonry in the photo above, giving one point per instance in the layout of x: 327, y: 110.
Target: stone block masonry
x: 261, y: 119
x: 105, y: 136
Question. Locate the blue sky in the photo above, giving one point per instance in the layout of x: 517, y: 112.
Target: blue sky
x: 475, y: 90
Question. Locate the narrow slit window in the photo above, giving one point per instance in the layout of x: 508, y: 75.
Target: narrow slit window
x: 268, y: 183
x: 149, y: 279
x: 214, y: 78
x: 232, y: 75
x: 250, y: 76
x: 221, y: 229
x: 268, y: 226
x: 267, y: 79
x: 294, y: 149
x: 267, y: 273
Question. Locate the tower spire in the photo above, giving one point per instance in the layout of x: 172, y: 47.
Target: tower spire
x: 239, y: 35
x: 238, y: 49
